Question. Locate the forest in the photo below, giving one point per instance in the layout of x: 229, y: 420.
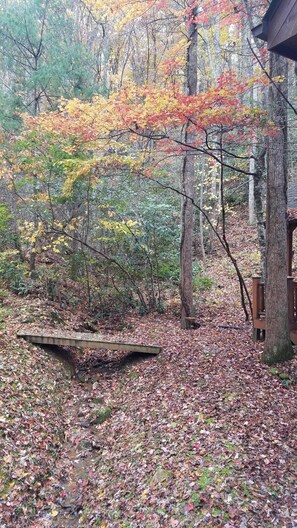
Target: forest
x: 145, y: 148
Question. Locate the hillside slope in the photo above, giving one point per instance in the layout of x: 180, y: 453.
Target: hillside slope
x: 202, y: 435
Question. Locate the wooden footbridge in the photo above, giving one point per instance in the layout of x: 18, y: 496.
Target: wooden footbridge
x: 84, y: 340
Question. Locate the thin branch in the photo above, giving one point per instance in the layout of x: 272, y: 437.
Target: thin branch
x: 205, y: 151
x: 271, y: 78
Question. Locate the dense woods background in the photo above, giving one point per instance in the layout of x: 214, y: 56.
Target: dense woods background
x: 113, y: 117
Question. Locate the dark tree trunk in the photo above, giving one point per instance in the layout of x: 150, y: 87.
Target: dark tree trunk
x: 278, y: 346
x: 259, y: 207
x: 186, y: 245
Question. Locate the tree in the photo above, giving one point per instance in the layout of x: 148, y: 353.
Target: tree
x: 188, y: 175
x: 278, y: 346
x: 259, y: 145
x: 37, y: 67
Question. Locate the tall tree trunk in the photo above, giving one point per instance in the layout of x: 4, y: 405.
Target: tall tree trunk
x: 201, y: 218
x: 259, y: 206
x: 252, y: 190
x: 187, y: 184
x: 36, y: 108
x: 278, y: 346
x: 259, y: 148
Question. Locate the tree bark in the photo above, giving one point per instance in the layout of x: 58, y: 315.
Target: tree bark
x: 252, y: 188
x: 259, y: 206
x: 278, y: 346
x: 187, y: 184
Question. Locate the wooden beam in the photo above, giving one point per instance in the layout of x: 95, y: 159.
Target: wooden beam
x: 291, y: 303
x: 290, y: 249
x: 259, y: 323
x: 255, y: 302
x: 84, y: 340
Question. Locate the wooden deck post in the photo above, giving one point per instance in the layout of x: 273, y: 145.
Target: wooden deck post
x: 290, y: 230
x: 255, y: 306
x: 259, y: 308
x: 290, y: 303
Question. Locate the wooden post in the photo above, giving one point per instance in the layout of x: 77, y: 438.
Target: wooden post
x: 294, y: 285
x: 290, y: 303
x: 255, y: 306
x: 256, y: 284
x: 290, y: 249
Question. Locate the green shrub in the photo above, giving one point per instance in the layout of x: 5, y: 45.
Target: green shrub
x: 14, y: 272
x: 169, y: 271
x: 201, y: 282
x: 101, y: 415
x: 4, y: 313
x: 107, y: 301
x: 3, y: 294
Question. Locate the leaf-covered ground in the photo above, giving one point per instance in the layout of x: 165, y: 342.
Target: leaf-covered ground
x: 202, y: 435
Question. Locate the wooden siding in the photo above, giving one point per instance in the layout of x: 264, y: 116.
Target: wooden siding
x: 282, y: 24
x: 279, y: 28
